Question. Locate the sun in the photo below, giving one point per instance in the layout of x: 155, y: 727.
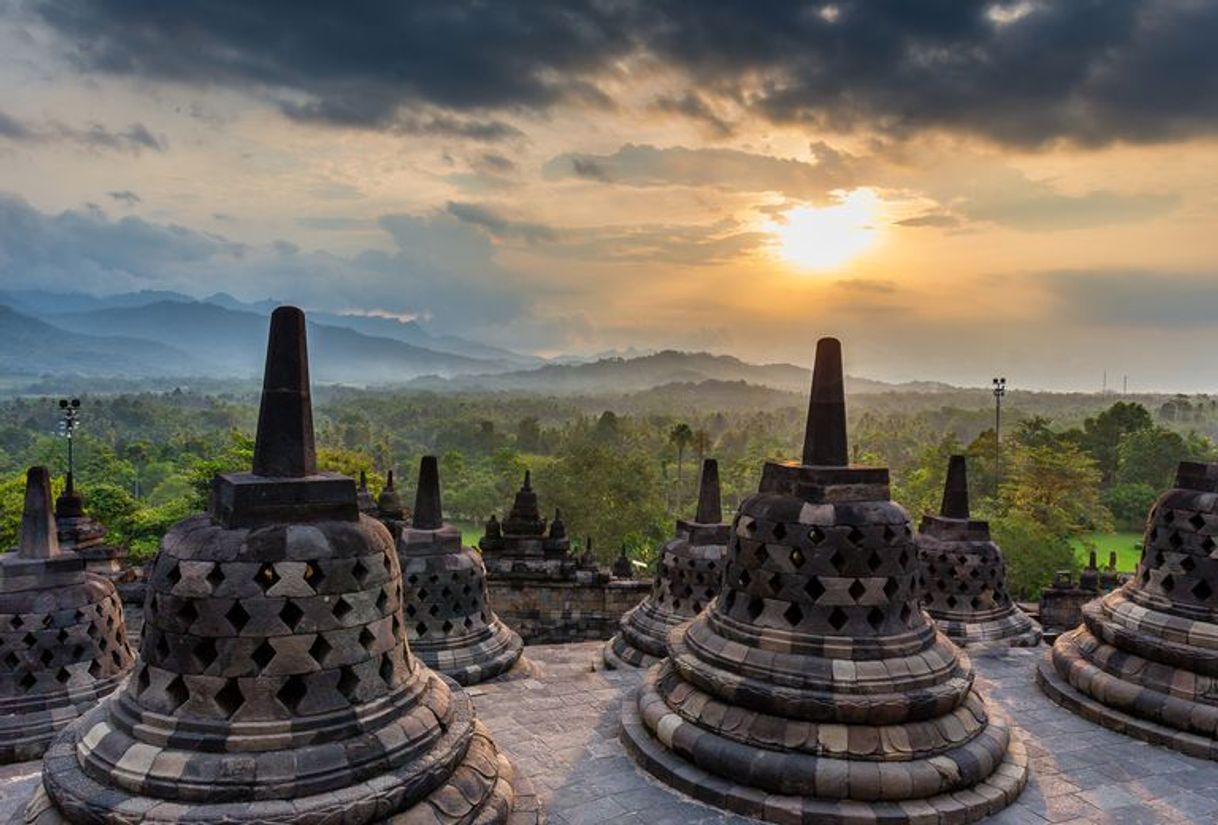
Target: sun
x: 828, y: 237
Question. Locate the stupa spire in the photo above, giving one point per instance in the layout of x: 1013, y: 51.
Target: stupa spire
x: 528, y: 482
x: 825, y: 437
x: 39, y: 535
x: 955, y: 489
x: 710, y: 510
x: 428, y: 514
x: 284, y: 445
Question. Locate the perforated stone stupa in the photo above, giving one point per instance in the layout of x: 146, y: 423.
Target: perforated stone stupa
x: 814, y: 688
x: 1145, y: 659
x: 389, y: 508
x: 964, y: 573
x: 363, y: 497
x: 275, y: 683
x: 449, y: 619
x: 63, y: 642
x: 81, y: 533
x: 687, y: 579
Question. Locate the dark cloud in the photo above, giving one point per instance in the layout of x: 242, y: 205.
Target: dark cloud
x: 694, y: 106
x: 134, y: 139
x: 1024, y: 73
x: 126, y: 197
x: 642, y: 165
x: 1135, y: 298
x: 445, y: 125
x: 499, y: 226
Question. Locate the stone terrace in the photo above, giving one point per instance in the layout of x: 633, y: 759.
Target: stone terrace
x: 560, y: 728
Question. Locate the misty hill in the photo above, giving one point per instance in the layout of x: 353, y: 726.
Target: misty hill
x: 50, y: 305
x: 30, y: 347
x: 670, y: 367
x: 225, y: 342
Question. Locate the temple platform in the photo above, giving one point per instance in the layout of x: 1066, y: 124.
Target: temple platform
x: 560, y: 729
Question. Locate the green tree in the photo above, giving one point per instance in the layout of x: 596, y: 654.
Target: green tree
x: 1102, y: 435
x: 1130, y: 504
x: 680, y: 436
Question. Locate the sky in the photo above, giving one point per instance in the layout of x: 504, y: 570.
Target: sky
x: 956, y: 189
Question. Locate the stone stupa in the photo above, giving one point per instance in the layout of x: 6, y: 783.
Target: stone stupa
x: 389, y: 508
x: 63, y: 641
x: 275, y: 683
x: 449, y: 619
x: 363, y: 497
x: 81, y: 533
x: 519, y: 546
x: 1145, y: 659
x: 687, y: 579
x: 964, y: 573
x: 815, y: 688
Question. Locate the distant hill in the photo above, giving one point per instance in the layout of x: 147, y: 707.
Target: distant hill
x: 31, y: 347
x: 50, y: 305
x: 670, y: 367
x: 233, y: 343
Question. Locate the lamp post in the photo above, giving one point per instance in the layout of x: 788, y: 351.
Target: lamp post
x: 1000, y: 389
x: 68, y: 422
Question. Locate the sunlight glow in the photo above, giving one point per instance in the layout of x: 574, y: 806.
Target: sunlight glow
x: 828, y: 237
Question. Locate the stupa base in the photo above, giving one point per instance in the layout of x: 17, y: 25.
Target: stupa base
x: 482, y: 789
x: 1015, y: 629
x: 619, y: 654
x: 480, y: 662
x: 1064, y: 670
x: 988, y: 797
x: 26, y: 736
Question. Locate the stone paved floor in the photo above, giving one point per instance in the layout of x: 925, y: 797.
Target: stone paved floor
x: 561, y: 729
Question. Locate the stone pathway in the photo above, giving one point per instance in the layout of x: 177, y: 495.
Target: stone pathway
x: 560, y: 728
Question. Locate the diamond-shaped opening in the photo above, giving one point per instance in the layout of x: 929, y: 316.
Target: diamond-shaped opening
x: 446, y: 593
x: 975, y: 602
x: 46, y: 657
x: 857, y: 589
x: 360, y: 571
x: 423, y: 594
x: 177, y: 692
x: 1169, y: 517
x: 267, y: 577
x: 903, y: 559
x: 62, y: 676
x: 468, y: 622
x: 779, y: 532
x: 215, y: 577
x: 951, y: 601
x: 237, y: 617
x: 855, y: 536
x: 229, y: 698
x: 291, y: 614
x: 319, y: 649
x: 62, y: 635
x: 11, y: 660
x: 412, y: 579
x: 173, y: 575
x: 263, y: 654
x: 793, y: 615
x: 1202, y: 590
x: 1175, y: 539
x: 1197, y: 520
x: 761, y: 555
x: 1207, y: 544
x: 875, y: 617
x: 1167, y: 583
x: 347, y: 683
x: 816, y: 535
x: 313, y: 576
x: 775, y: 583
x: 162, y: 647
x: 433, y: 609
x: 292, y: 692
x: 411, y: 610
x: 745, y: 579
x: 814, y: 588
x: 906, y: 613
x: 382, y: 601
x: 187, y: 613
x: 1187, y: 564
x: 889, y: 534
x: 204, y: 652
x: 387, y: 669
x: 447, y: 627
x: 341, y: 608
x: 420, y: 629
x: 15, y: 622
x: 797, y: 558
x: 874, y: 561
x: 27, y: 681
x: 366, y: 639
x: 838, y: 618
x: 838, y: 560
x: 755, y: 608
x: 890, y: 588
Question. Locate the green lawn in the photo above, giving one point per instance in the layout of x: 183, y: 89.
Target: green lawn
x: 1127, y: 545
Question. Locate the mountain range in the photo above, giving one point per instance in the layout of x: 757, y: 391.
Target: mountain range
x: 159, y: 334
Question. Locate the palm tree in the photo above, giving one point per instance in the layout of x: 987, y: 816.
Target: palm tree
x: 701, y: 442
x: 680, y: 437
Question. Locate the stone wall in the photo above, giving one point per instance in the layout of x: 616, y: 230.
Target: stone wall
x: 565, y: 611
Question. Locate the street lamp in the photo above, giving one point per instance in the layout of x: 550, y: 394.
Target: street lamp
x: 1000, y: 389
x: 68, y: 422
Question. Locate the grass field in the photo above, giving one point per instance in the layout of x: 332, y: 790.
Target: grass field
x: 1127, y: 545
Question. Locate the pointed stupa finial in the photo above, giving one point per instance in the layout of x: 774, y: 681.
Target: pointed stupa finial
x: 825, y: 437
x: 428, y: 514
x: 710, y: 510
x: 528, y: 481
x: 284, y: 446
x: 363, y: 480
x: 39, y: 535
x: 955, y: 489
x: 389, y: 481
